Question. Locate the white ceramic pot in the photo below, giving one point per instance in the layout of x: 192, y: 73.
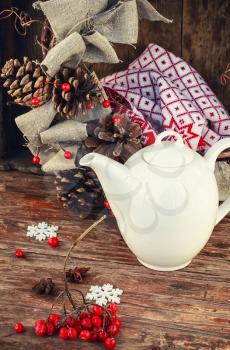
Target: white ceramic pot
x: 165, y: 200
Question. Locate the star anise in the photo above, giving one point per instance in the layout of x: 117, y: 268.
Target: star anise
x: 45, y: 286
x: 77, y: 274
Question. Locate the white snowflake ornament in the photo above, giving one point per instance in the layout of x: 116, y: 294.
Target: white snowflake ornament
x: 104, y: 294
x: 42, y: 231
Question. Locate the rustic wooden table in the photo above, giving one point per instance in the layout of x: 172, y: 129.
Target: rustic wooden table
x: 181, y: 310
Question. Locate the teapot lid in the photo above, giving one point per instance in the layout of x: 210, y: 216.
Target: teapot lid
x: 168, y: 154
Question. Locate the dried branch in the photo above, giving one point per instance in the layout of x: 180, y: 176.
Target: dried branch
x: 22, y: 21
x: 225, y: 77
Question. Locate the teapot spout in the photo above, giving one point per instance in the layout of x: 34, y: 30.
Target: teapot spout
x: 114, y: 177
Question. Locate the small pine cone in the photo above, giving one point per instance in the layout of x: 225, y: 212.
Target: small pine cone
x: 26, y: 80
x: 83, y: 92
x: 80, y: 191
x: 116, y: 140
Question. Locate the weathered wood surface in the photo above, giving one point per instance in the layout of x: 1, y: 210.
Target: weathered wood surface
x: 183, y: 310
x: 199, y: 34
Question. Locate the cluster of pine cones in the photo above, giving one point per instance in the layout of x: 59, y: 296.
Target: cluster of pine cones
x: 79, y: 189
x: 73, y: 90
x: 70, y: 90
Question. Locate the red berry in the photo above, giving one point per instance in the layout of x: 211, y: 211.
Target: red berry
x: 97, y: 321
x: 107, y: 205
x: 117, y: 119
x: 97, y: 310
x: 113, y: 308
x: 94, y: 335
x: 40, y: 323
x: 64, y: 333
x: 19, y: 328
x: 66, y: 87
x: 116, y: 323
x: 36, y: 160
x: 89, y: 105
x: 113, y: 319
x: 68, y: 155
x: 19, y: 253
x: 113, y: 329
x: 78, y: 325
x: 53, y: 242
x: 86, y: 323
x: 54, y: 318
x: 102, y: 335
x: 72, y: 333
x: 106, y: 104
x: 35, y: 101
x: 110, y: 343
x: 71, y: 321
x: 84, y: 315
x: 50, y: 329
x: 40, y: 328
x: 85, y: 335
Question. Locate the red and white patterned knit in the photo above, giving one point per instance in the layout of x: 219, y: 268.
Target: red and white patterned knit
x: 165, y: 92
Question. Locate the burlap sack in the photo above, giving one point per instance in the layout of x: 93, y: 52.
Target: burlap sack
x: 71, y: 48
x: 147, y: 11
x: 119, y: 25
x: 35, y: 126
x: 34, y: 122
x: 63, y: 15
x: 69, y: 52
x: 97, y: 22
x: 66, y: 131
x: 58, y: 161
x: 45, y: 154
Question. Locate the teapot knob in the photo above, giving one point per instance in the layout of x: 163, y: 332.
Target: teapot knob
x: 165, y: 134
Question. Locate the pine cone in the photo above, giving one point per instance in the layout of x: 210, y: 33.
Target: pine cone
x: 82, y: 92
x: 45, y: 286
x: 116, y: 140
x: 25, y: 81
x: 77, y: 274
x: 80, y: 191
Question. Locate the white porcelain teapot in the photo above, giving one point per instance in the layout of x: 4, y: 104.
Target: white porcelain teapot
x: 165, y: 200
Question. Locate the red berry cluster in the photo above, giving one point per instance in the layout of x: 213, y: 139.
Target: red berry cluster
x: 95, y: 324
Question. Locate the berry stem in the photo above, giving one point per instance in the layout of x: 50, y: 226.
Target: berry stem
x: 75, y: 243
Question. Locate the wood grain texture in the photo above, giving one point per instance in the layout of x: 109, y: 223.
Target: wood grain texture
x: 206, y: 26
x: 182, y: 310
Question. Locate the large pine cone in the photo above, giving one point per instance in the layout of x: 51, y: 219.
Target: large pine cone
x: 82, y: 92
x: 80, y: 191
x: 115, y: 137
x: 24, y: 81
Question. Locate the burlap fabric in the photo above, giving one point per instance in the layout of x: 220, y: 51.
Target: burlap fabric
x: 84, y: 30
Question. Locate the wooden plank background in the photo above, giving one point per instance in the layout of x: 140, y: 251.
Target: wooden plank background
x: 199, y: 34
x: 181, y: 310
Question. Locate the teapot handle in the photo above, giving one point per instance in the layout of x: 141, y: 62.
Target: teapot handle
x: 165, y: 134
x: 211, y: 157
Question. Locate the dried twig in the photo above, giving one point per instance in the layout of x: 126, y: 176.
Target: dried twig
x: 75, y: 243
x: 22, y: 21
x: 225, y: 77
x: 67, y: 293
